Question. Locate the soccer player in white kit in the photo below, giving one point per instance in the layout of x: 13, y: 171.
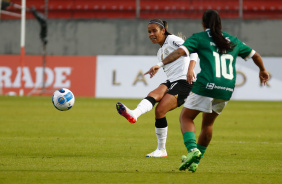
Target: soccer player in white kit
x: 170, y: 94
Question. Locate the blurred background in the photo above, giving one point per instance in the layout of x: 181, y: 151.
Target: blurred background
x: 71, y: 41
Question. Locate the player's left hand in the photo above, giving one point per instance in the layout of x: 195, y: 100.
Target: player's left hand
x: 191, y: 77
x: 263, y: 76
x: 153, y: 71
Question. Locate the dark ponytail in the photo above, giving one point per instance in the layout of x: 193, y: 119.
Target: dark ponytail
x: 162, y: 24
x: 211, y: 20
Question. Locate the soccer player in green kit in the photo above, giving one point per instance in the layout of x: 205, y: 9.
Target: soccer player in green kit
x: 215, y: 83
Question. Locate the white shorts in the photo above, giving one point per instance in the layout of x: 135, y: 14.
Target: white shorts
x: 204, y: 104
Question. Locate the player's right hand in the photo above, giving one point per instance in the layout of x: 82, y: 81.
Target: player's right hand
x: 264, y: 76
x: 153, y: 71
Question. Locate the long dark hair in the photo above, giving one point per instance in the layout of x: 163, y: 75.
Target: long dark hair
x: 211, y: 20
x: 162, y: 24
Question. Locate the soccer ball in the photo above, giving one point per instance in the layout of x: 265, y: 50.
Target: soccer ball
x: 63, y: 99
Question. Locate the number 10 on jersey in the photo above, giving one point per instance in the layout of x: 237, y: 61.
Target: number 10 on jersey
x: 221, y: 65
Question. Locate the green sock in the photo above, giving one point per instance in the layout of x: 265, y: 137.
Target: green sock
x: 202, y: 150
x: 189, y: 140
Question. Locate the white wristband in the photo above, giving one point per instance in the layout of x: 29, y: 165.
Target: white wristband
x: 160, y: 64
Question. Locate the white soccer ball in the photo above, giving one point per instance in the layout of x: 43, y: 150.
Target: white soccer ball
x: 63, y: 99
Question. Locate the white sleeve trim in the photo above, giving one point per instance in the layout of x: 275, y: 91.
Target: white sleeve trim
x: 194, y: 56
x: 160, y: 64
x: 185, y: 49
x: 250, y: 55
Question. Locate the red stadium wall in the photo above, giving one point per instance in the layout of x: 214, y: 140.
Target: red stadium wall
x: 77, y: 73
x: 147, y: 9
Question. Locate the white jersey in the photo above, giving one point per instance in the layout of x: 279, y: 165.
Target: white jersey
x: 178, y: 69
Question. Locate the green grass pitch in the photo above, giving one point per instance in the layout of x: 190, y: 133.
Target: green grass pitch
x: 92, y: 143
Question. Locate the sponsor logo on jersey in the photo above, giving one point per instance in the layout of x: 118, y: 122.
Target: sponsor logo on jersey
x: 212, y: 86
x: 166, y: 52
x: 176, y: 44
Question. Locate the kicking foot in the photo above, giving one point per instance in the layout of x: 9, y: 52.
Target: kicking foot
x: 125, y: 112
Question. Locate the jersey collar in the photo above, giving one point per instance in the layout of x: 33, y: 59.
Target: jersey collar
x: 165, y: 42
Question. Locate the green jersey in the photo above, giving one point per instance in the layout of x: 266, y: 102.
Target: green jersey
x: 218, y: 74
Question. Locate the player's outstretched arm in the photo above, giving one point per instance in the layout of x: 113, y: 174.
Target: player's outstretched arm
x: 174, y: 56
x: 170, y: 58
x: 263, y: 74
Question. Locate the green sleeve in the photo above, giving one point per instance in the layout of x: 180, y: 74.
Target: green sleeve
x: 192, y: 43
x: 244, y: 50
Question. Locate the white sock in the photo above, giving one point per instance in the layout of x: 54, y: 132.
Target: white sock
x: 161, y: 135
x: 143, y: 107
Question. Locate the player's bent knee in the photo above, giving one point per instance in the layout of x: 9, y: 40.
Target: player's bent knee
x: 160, y: 112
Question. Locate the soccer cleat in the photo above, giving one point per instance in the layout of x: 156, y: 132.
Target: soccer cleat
x: 183, y: 157
x: 158, y: 153
x: 193, y: 167
x: 125, y: 112
x: 192, y: 156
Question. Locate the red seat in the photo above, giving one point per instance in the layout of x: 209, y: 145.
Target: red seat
x: 186, y: 5
x: 105, y: 5
x: 61, y: 5
x: 187, y: 9
x: 104, y: 9
x: 37, y: 4
x: 258, y: 9
x: 261, y: 5
x: 103, y: 14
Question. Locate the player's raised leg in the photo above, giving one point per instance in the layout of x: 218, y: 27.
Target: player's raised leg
x: 131, y: 115
x: 144, y: 106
